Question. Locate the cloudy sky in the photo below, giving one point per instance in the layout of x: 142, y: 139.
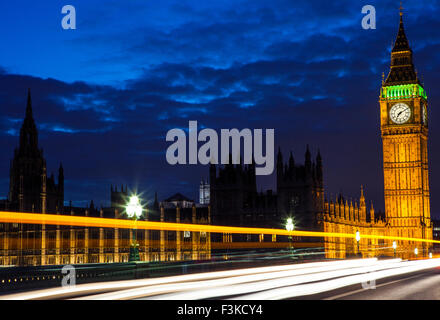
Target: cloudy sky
x: 105, y: 95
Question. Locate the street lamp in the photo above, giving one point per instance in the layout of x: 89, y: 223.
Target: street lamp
x: 394, y: 247
x: 289, y: 224
x: 358, y: 238
x: 416, y: 252
x: 430, y: 255
x: 289, y: 227
x: 134, y: 211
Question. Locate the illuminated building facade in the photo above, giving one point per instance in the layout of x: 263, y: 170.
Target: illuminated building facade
x: 234, y: 198
x: 32, y: 191
x: 404, y: 128
x: 343, y: 216
x: 300, y: 191
x: 24, y: 244
x: 184, y: 245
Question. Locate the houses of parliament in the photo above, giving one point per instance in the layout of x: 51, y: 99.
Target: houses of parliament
x: 31, y: 190
x: 300, y: 194
x: 231, y: 198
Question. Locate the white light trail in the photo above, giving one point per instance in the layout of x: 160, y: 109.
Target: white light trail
x: 263, y: 283
x: 190, y: 289
x: 82, y: 289
x: 315, y: 288
x: 278, y: 280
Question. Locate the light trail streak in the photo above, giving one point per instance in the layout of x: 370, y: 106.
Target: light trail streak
x: 264, y: 245
x: 32, y: 244
x: 264, y: 283
x: 278, y: 280
x: 276, y: 285
x: 217, y: 287
x: 315, y: 288
x: 67, y: 220
x: 57, y: 293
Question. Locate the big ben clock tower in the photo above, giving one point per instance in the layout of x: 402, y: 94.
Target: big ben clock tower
x: 404, y: 128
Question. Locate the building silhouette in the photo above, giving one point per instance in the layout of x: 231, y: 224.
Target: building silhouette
x: 30, y: 189
x: 236, y: 201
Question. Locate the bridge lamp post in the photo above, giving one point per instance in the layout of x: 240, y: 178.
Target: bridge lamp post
x: 134, y: 211
x: 289, y: 227
x: 358, y: 238
x: 394, y: 247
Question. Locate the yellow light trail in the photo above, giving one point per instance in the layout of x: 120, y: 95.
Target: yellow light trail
x: 247, y: 245
x: 67, y: 220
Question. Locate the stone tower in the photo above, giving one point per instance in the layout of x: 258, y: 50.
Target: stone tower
x: 404, y: 129
x: 300, y: 190
x: 30, y: 190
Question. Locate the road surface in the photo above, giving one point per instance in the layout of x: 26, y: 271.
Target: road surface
x: 423, y: 285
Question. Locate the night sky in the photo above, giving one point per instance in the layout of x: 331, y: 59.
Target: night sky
x: 105, y: 95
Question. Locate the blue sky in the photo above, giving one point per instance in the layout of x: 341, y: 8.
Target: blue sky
x: 105, y: 94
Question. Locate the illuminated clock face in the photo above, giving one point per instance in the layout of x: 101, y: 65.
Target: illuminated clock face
x: 400, y: 113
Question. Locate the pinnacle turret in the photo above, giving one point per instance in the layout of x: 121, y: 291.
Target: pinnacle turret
x: 28, y: 132
x: 308, y: 161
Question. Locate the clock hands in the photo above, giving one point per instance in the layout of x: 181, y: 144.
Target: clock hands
x: 400, y: 113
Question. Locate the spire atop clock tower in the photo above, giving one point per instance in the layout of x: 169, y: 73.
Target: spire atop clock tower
x: 402, y: 69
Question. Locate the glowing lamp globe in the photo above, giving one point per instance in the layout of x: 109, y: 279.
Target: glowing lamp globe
x: 289, y: 224
x: 134, y: 208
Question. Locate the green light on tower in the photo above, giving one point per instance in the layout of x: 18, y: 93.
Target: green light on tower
x: 403, y: 91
